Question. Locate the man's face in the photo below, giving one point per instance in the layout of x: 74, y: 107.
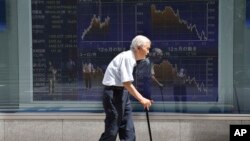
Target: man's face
x: 144, y: 51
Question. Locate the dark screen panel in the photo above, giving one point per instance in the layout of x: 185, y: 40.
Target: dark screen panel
x: 2, y: 15
x: 248, y: 13
x: 69, y: 35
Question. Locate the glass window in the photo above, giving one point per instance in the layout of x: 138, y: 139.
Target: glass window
x: 54, y: 59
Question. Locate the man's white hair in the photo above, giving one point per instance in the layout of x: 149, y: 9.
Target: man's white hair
x: 139, y: 41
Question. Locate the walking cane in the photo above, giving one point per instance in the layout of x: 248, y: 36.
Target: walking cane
x: 149, y: 128
x: 162, y: 97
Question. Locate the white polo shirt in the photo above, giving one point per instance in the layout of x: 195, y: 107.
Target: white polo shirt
x: 120, y: 69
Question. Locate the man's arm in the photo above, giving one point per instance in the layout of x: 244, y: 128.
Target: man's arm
x: 153, y: 76
x: 155, y: 80
x: 132, y: 90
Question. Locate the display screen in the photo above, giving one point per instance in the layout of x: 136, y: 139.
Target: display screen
x: 2, y: 15
x: 248, y: 13
x: 73, y: 42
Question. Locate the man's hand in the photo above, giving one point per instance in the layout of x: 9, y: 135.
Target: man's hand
x: 161, y: 85
x: 146, y: 103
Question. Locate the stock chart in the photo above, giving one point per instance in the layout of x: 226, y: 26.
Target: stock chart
x: 185, y: 30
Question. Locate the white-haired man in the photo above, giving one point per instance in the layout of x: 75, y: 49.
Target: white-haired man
x: 116, y: 102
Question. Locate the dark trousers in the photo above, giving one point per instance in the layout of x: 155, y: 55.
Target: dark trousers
x: 118, y: 112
